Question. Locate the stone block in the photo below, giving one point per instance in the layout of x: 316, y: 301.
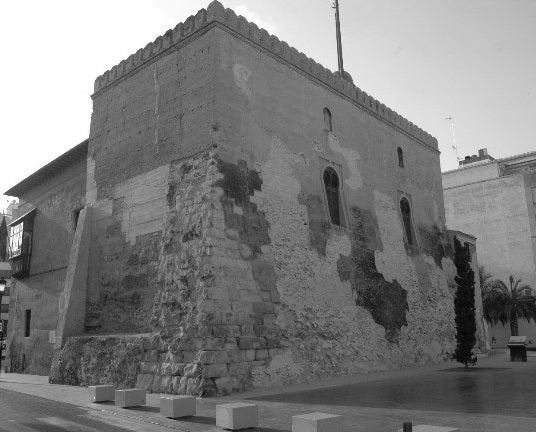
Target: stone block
x: 145, y: 381
x: 215, y: 370
x: 316, y: 422
x: 237, y: 415
x: 177, y: 406
x: 130, y: 398
x: 430, y: 428
x: 102, y: 393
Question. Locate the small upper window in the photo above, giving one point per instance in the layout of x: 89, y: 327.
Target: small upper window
x: 331, y: 183
x: 405, y: 210
x: 400, y: 157
x: 327, y: 120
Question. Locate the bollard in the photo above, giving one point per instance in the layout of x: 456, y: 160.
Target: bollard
x: 407, y: 427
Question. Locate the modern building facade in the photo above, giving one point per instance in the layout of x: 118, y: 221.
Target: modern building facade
x: 495, y: 200
x: 239, y: 217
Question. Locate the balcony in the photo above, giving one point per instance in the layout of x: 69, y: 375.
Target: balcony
x: 20, y: 244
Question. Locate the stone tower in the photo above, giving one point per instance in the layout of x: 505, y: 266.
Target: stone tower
x: 251, y: 219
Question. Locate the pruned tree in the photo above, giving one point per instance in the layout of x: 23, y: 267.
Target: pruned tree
x: 506, y: 304
x: 464, y: 305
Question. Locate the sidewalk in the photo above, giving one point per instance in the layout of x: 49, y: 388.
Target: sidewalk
x: 490, y: 400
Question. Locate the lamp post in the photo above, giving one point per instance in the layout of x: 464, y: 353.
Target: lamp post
x: 3, y: 284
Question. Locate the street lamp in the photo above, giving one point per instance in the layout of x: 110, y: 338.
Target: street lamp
x: 3, y: 284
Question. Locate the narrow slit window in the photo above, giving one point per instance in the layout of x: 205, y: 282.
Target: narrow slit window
x: 27, y: 322
x: 331, y: 183
x: 405, y: 210
x: 327, y: 120
x: 400, y: 157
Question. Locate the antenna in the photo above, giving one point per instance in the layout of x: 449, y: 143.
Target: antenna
x: 454, y: 146
x: 339, y: 40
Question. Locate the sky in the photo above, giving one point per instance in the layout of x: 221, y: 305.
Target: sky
x: 472, y: 60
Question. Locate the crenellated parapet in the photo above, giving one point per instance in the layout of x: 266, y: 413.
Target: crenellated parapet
x: 217, y: 14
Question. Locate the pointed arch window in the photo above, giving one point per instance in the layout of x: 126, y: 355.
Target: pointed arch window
x: 405, y: 210
x: 400, y: 157
x: 331, y: 183
x: 327, y: 120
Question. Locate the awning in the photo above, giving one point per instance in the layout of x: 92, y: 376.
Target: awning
x: 20, y: 218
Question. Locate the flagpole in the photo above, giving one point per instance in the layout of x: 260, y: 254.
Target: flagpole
x: 339, y: 40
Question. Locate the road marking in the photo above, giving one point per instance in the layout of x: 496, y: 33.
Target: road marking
x: 67, y: 425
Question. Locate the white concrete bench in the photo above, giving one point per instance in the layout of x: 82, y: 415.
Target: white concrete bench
x: 102, y: 393
x: 237, y: 415
x: 430, y: 428
x: 177, y: 406
x: 130, y: 398
x: 316, y: 422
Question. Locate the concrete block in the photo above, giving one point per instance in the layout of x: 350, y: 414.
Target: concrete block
x: 130, y: 398
x: 317, y: 422
x: 429, y: 428
x: 237, y: 415
x: 102, y: 393
x: 177, y: 406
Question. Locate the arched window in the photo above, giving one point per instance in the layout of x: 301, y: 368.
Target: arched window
x: 331, y: 182
x: 327, y: 120
x: 405, y: 210
x: 400, y: 157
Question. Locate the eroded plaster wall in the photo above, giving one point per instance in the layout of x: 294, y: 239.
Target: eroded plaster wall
x: 56, y: 200
x: 352, y: 298
x: 140, y: 125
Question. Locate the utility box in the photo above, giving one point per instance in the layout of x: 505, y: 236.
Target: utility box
x: 518, y: 348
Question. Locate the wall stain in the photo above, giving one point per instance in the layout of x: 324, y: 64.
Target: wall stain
x: 386, y: 301
x: 239, y: 184
x: 319, y: 226
x: 435, y: 243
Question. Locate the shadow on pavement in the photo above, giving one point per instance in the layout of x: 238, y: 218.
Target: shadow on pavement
x: 199, y: 419
x: 145, y: 408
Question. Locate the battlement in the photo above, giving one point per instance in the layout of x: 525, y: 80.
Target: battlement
x: 226, y: 18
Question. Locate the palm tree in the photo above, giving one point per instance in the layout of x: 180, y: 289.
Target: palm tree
x: 484, y: 277
x: 506, y: 304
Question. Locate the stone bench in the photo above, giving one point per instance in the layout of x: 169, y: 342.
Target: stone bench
x: 102, y: 393
x: 237, y: 415
x: 430, y: 428
x: 130, y: 398
x: 177, y: 406
x: 316, y: 422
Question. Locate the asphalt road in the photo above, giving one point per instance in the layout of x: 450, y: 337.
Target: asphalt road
x: 24, y: 413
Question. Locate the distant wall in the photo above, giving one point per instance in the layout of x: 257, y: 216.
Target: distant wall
x: 500, y: 213
x: 56, y: 200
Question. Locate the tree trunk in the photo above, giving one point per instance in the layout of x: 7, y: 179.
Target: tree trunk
x: 514, y: 328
